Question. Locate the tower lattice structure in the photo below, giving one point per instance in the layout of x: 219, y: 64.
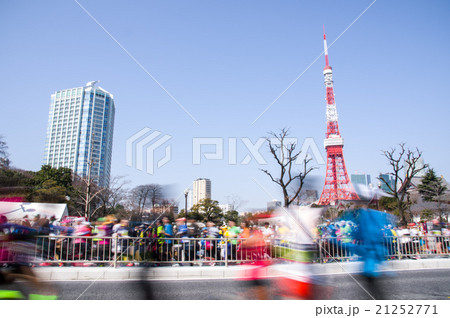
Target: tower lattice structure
x: 337, y: 183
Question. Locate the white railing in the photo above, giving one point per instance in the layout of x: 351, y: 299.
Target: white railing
x: 396, y: 247
x: 117, y: 251
x: 120, y: 250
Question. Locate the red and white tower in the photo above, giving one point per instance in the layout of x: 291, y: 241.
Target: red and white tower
x: 337, y: 184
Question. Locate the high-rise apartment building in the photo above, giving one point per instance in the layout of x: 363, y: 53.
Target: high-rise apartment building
x: 80, y: 131
x: 202, y: 190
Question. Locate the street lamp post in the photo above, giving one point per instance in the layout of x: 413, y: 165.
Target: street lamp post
x: 186, y: 193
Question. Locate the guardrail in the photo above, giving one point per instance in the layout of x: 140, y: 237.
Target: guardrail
x: 396, y: 247
x: 118, y: 251
x: 124, y: 250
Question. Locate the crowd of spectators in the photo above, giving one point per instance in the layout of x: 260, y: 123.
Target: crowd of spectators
x: 186, y: 241
x: 161, y: 241
x: 406, y: 241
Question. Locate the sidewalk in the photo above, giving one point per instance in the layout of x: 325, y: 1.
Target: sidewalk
x: 221, y: 272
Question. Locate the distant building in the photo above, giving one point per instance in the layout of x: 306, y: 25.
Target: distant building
x: 389, y: 179
x: 80, y: 129
x: 201, y: 190
x: 225, y: 207
x: 420, y: 164
x: 360, y: 179
x: 273, y: 205
x: 361, y: 182
x: 159, y: 209
x: 153, y: 214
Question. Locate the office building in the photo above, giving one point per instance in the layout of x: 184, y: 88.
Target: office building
x: 80, y: 131
x: 201, y: 190
x: 387, y: 179
x: 361, y: 179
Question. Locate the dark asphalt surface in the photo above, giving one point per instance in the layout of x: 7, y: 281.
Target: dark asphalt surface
x: 411, y: 285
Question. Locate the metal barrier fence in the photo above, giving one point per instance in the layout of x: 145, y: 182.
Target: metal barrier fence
x: 396, y: 247
x: 123, y: 250
x: 118, y: 251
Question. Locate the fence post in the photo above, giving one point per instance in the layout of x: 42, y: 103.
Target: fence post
x: 320, y: 251
x: 115, y: 250
x: 399, y: 252
x: 226, y: 253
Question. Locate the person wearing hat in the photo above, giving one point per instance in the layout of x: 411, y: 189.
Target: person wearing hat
x: 405, y: 240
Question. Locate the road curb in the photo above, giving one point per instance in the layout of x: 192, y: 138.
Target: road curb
x: 221, y: 272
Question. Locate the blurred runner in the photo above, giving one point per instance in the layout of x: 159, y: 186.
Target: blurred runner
x: 371, y: 245
x: 168, y: 233
x: 297, y: 249
x: 17, y: 242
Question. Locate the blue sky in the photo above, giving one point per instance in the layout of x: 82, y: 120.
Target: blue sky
x: 225, y: 62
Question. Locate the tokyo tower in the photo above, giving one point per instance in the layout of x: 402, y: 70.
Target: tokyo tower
x: 337, y: 184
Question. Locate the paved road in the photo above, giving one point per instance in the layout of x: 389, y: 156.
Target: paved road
x: 424, y: 284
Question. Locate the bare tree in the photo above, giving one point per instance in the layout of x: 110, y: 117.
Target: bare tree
x: 235, y: 201
x: 286, y: 155
x: 112, y: 196
x: 404, y: 165
x: 139, y: 196
x: 138, y: 201
x: 143, y: 194
x: 87, y: 195
x: 155, y: 193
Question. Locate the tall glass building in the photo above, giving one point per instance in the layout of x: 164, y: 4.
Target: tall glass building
x: 80, y: 129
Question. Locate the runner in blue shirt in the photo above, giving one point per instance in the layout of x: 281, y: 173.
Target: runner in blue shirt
x: 167, y: 246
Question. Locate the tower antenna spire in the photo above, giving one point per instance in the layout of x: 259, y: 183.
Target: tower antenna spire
x: 325, y: 46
